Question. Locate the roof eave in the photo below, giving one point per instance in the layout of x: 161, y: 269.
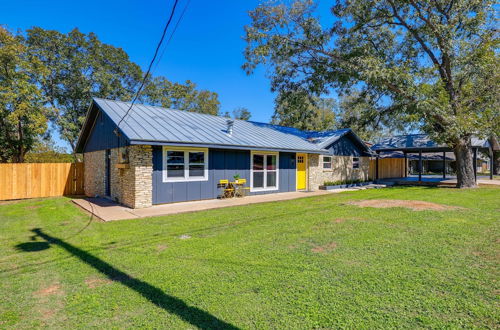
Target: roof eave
x: 224, y: 146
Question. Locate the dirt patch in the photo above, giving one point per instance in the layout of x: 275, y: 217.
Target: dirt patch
x: 50, y: 290
x: 324, y: 248
x: 32, y: 207
x: 409, y: 204
x: 93, y: 283
x: 161, y: 247
x: 339, y: 220
x: 47, y: 314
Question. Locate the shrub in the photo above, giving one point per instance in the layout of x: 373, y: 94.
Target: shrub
x: 339, y: 182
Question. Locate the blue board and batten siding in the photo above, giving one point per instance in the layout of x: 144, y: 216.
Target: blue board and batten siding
x: 222, y: 164
x: 102, y: 136
x: 347, y: 146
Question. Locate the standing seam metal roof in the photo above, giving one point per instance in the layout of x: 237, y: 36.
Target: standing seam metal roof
x: 146, y: 123
x: 418, y: 141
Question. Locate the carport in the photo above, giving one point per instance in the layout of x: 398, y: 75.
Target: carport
x: 421, y: 144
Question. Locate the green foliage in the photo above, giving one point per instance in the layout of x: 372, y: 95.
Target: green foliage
x: 80, y: 67
x: 45, y: 151
x: 340, y: 182
x: 309, y: 263
x: 298, y: 109
x: 242, y: 113
x: 162, y: 92
x: 22, y: 113
x: 431, y: 63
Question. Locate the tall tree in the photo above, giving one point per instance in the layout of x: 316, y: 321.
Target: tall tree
x: 160, y: 91
x: 80, y: 67
x: 301, y: 110
x: 22, y: 113
x: 433, y: 60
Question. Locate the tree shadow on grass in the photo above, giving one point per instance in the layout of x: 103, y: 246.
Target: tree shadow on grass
x: 193, y: 315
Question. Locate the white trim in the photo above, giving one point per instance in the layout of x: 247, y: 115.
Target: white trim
x: 264, y: 153
x: 323, y: 162
x: 186, y: 177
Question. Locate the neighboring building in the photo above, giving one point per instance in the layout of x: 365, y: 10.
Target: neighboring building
x: 161, y: 155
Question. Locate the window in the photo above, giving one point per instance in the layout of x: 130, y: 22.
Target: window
x: 264, y: 171
x: 327, y: 162
x: 185, y: 164
x: 355, y: 162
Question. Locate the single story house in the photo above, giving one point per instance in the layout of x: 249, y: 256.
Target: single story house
x: 160, y: 155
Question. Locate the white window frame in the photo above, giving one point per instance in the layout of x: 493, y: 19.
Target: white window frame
x: 329, y: 162
x: 358, y: 161
x: 264, y: 170
x: 186, y: 177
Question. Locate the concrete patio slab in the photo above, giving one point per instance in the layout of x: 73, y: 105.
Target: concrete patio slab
x: 108, y: 210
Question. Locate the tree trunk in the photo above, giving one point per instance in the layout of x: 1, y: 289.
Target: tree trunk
x: 496, y: 154
x: 20, y: 148
x: 465, y: 166
x: 496, y: 162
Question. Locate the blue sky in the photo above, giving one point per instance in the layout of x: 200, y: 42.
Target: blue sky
x: 207, y: 47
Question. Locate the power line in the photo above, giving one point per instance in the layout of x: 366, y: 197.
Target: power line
x: 171, y: 35
x: 151, y: 63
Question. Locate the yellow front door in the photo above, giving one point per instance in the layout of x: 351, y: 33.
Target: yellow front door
x: 301, y: 171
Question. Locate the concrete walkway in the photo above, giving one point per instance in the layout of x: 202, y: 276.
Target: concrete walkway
x: 108, y: 210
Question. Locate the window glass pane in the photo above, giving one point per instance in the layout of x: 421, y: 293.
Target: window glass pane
x: 175, y: 171
x: 175, y: 157
x: 327, y: 159
x: 197, y: 157
x: 355, y: 162
x: 271, y: 162
x: 327, y: 165
x: 258, y: 162
x: 196, y: 170
x: 271, y: 179
x: 258, y: 179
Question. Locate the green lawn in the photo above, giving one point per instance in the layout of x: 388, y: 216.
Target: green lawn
x: 317, y: 262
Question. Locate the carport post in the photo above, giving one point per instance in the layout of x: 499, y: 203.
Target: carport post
x: 444, y: 164
x: 491, y: 163
x: 475, y: 164
x: 406, y: 164
x: 419, y: 164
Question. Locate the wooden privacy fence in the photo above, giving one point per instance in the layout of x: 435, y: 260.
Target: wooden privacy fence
x: 40, y: 180
x: 388, y: 168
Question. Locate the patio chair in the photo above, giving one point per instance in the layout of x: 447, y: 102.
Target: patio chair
x: 242, y: 190
x: 228, y: 190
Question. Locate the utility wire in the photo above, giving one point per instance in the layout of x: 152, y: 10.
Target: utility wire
x: 152, y: 61
x: 171, y: 35
x: 172, y: 13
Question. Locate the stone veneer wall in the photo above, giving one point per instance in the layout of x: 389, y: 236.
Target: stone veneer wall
x: 94, y: 173
x: 131, y: 186
x: 341, y: 170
